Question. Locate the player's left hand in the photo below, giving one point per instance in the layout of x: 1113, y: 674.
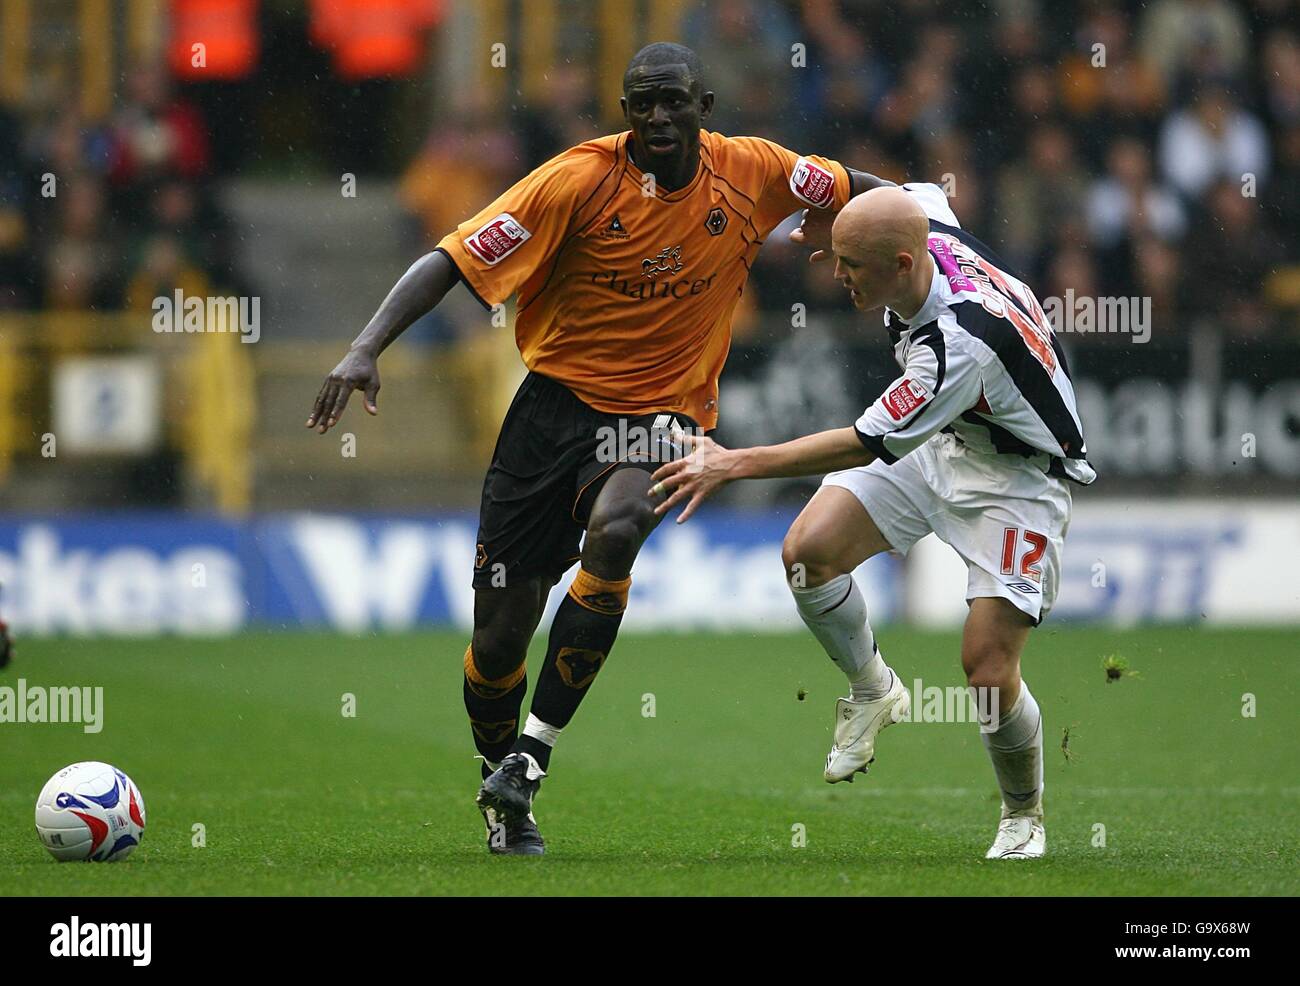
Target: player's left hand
x: 814, y: 232
x: 695, y: 477
x: 358, y: 370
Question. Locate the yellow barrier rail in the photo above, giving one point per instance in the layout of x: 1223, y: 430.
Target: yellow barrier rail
x: 209, y: 399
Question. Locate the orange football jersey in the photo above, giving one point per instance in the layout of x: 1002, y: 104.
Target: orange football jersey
x: 626, y: 297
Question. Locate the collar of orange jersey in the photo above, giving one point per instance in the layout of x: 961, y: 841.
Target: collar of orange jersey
x: 678, y: 194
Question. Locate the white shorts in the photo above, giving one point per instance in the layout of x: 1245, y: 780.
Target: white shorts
x: 1011, y: 543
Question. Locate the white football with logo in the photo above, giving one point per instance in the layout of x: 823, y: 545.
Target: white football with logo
x: 90, y: 811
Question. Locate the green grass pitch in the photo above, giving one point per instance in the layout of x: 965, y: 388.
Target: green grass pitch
x: 246, y: 736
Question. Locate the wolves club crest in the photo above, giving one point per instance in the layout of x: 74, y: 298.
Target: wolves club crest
x: 493, y: 732
x: 578, y: 666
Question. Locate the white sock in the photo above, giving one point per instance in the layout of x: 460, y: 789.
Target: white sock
x: 541, y: 731
x: 836, y: 613
x: 1016, y: 749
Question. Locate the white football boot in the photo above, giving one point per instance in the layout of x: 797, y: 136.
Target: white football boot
x: 1020, y: 834
x: 856, y: 726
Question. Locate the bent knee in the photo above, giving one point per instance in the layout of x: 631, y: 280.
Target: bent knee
x: 811, y: 560
x: 499, y: 650
x: 619, y: 529
x: 991, y: 666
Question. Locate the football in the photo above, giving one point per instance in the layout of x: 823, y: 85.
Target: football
x: 90, y: 811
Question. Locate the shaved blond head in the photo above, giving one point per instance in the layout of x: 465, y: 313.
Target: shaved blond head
x: 883, y: 222
x: 880, y: 242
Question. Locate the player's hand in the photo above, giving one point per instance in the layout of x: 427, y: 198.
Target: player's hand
x: 359, y: 370
x: 814, y: 232
x: 695, y: 477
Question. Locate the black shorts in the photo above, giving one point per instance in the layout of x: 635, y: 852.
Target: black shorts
x: 552, y: 458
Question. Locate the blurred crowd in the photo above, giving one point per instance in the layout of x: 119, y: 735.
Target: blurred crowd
x: 107, y: 216
x: 1115, y: 149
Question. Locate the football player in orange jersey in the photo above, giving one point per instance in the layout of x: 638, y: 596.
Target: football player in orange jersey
x: 626, y: 255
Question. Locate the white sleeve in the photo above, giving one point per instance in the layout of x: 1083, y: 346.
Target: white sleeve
x: 937, y: 385
x: 932, y: 199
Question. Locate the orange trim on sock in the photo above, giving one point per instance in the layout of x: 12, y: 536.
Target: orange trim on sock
x: 490, y: 687
x: 600, y: 595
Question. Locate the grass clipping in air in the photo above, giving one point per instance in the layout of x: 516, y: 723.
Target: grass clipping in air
x: 1117, y: 667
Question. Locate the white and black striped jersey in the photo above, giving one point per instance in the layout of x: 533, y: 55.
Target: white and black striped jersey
x: 978, y: 360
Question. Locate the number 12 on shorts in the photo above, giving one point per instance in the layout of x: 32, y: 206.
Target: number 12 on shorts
x: 1036, y: 545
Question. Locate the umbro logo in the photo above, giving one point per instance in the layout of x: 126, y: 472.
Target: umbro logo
x: 1022, y: 586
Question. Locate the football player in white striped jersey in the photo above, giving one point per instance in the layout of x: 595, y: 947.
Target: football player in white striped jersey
x: 974, y: 442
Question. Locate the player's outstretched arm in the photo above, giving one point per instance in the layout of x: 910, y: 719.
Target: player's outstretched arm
x: 421, y: 288
x: 709, y: 467
x: 814, y: 231
x: 864, y: 182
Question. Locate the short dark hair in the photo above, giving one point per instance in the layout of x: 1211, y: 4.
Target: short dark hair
x: 667, y: 53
